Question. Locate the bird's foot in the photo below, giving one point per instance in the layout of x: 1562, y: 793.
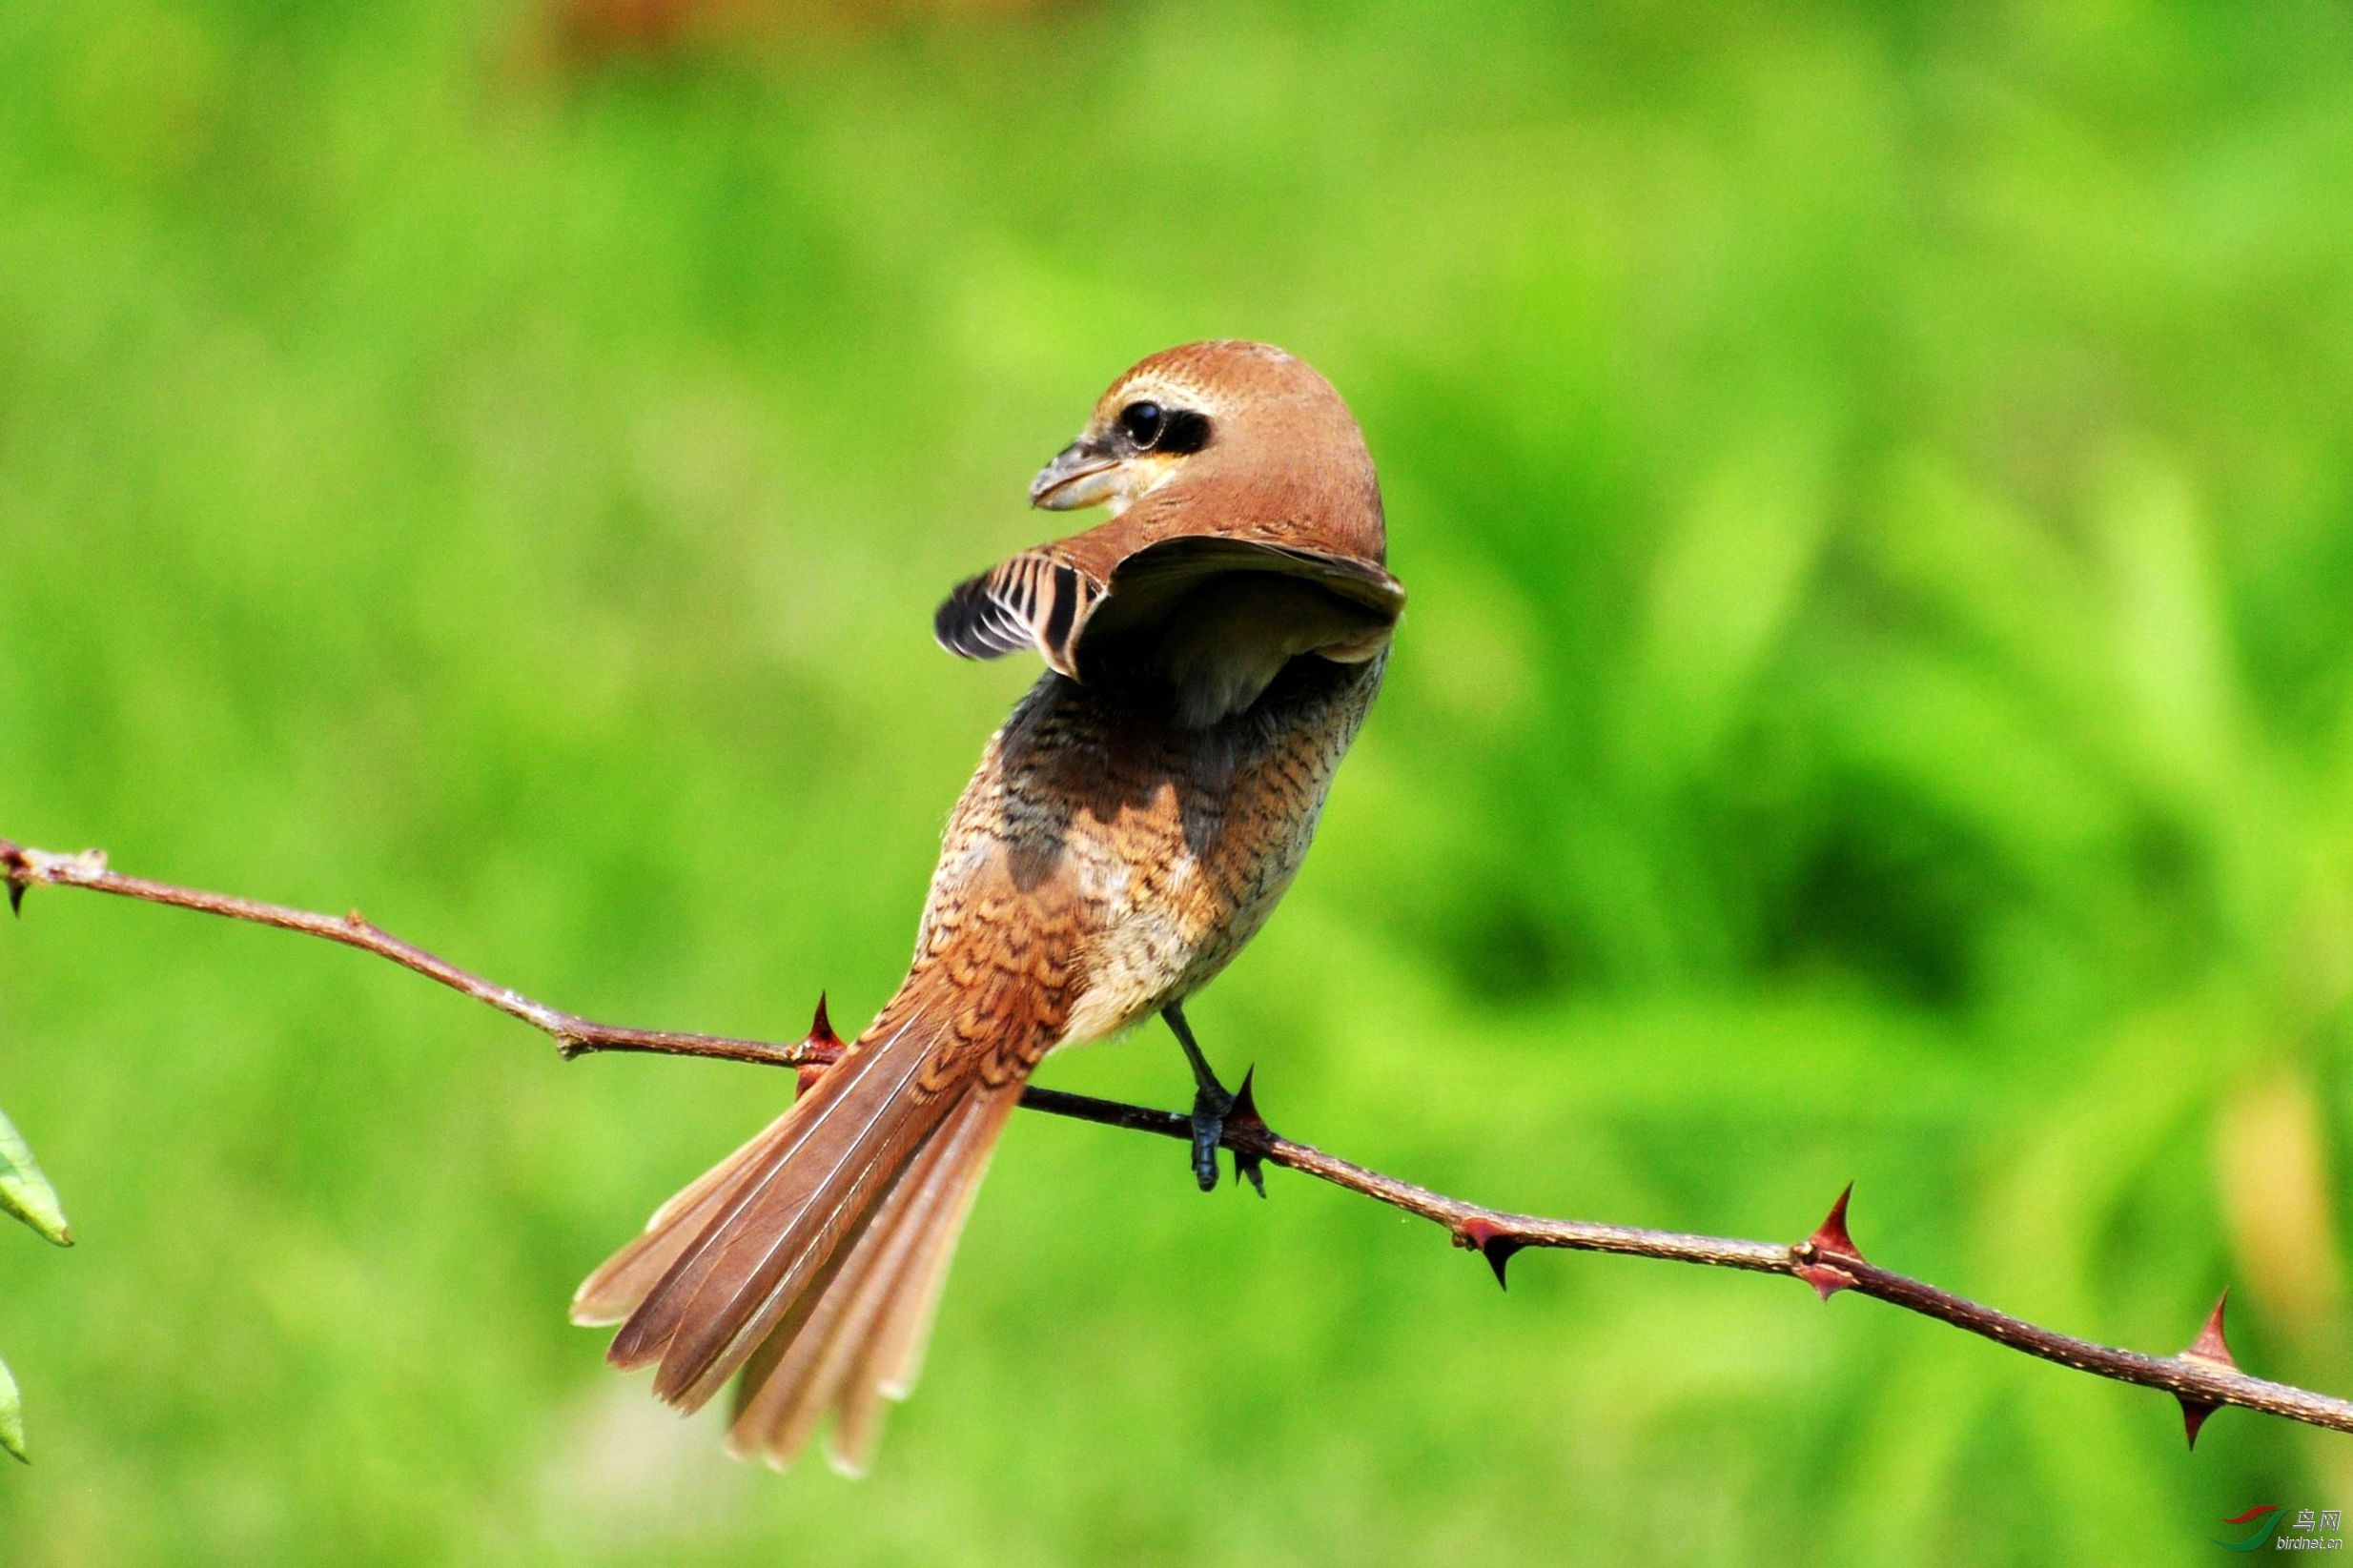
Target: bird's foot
x: 1211, y: 1104
x: 1214, y: 1113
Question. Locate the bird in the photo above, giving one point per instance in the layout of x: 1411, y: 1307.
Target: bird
x: 1210, y: 652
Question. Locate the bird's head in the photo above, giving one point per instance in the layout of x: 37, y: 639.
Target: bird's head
x: 1242, y: 427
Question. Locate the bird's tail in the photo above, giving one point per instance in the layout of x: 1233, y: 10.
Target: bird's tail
x: 813, y: 1257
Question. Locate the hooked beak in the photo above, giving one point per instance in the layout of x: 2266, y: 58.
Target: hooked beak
x: 1080, y: 474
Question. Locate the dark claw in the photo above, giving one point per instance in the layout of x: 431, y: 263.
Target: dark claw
x: 1209, y: 1109
x: 1214, y: 1112
x: 1247, y: 1167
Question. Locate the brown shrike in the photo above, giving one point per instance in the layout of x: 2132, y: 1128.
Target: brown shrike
x: 1210, y: 652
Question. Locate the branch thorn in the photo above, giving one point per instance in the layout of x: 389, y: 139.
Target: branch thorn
x: 1243, y: 1115
x: 2194, y: 1414
x: 2211, y: 1349
x: 1829, y: 1241
x: 1245, y: 1112
x: 1493, y: 1243
x: 821, y: 1027
x: 19, y: 872
x: 822, y: 1040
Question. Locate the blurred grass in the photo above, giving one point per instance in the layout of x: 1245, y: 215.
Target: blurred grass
x: 1876, y: 705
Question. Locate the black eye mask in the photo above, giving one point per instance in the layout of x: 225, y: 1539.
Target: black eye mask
x: 1146, y: 426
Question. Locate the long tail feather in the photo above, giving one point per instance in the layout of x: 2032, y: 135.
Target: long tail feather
x: 812, y: 1256
x: 843, y: 1362
x: 610, y: 1294
x: 776, y: 1412
x: 892, y: 1357
x: 761, y: 1255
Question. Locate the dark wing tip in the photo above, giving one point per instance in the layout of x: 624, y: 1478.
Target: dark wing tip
x: 1035, y: 599
x: 974, y: 624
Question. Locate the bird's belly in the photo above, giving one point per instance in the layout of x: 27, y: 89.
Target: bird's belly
x: 1162, y: 937
x: 1160, y: 852
x: 1164, y: 924
x: 1137, y: 964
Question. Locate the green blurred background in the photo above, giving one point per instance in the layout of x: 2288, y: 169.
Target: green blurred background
x: 1877, y: 703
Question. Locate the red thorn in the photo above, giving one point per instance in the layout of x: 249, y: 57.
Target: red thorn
x: 1244, y: 1110
x: 2209, y: 1346
x: 824, y: 1045
x: 1491, y: 1242
x: 2194, y: 1414
x: 2209, y: 1350
x: 1829, y: 1241
x: 1830, y: 1237
x: 1243, y: 1115
x: 821, y: 1033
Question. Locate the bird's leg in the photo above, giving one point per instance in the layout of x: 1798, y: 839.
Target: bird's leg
x: 1211, y: 1100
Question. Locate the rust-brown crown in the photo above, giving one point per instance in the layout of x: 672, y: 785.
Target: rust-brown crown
x: 1226, y: 436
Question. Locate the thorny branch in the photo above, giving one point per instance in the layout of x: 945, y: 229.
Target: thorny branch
x: 2203, y: 1376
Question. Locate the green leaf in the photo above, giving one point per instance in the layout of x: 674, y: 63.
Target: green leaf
x: 11, y: 1416
x: 25, y: 1192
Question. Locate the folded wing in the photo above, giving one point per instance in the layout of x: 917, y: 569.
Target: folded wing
x: 1215, y: 617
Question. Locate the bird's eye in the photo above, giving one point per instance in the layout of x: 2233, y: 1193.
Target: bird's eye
x: 1142, y: 423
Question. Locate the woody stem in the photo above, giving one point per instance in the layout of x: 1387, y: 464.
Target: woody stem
x: 2202, y: 1378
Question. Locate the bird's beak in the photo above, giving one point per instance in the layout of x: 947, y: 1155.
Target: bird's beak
x: 1081, y: 473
